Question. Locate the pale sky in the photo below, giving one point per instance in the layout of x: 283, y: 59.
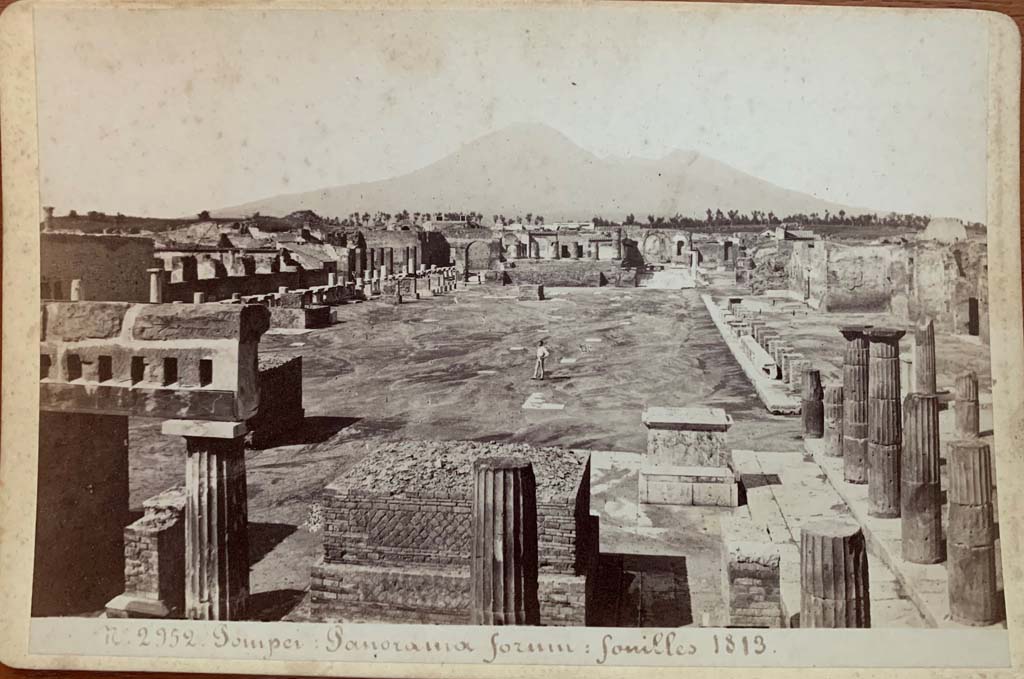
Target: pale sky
x: 165, y: 113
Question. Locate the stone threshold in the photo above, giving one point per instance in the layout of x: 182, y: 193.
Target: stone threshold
x: 925, y: 585
x: 773, y: 393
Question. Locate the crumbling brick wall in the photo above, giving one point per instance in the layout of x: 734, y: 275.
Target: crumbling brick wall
x: 404, y: 516
x: 280, y: 408
x: 154, y: 550
x: 754, y: 595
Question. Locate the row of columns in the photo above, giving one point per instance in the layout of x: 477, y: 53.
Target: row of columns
x: 576, y: 248
x: 893, y: 447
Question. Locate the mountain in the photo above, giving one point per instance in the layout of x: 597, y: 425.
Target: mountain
x: 535, y: 169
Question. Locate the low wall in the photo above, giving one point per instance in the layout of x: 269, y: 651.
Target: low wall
x: 571, y: 273
x: 217, y: 289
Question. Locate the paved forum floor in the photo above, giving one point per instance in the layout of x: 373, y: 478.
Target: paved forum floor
x: 449, y: 368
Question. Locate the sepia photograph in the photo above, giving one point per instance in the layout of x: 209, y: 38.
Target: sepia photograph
x: 668, y: 320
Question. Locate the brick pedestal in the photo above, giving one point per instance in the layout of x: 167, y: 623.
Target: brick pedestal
x: 921, y: 495
x: 503, y: 565
x: 884, y: 423
x: 753, y: 585
x: 855, y: 404
x: 973, y: 598
x: 834, y: 575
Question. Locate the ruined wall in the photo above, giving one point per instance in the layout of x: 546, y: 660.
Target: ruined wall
x: 807, y: 271
x: 866, y: 278
x: 111, y: 268
x: 398, y: 534
x: 280, y: 409
x: 154, y: 551
x: 944, y: 280
x: 221, y: 288
x: 572, y: 273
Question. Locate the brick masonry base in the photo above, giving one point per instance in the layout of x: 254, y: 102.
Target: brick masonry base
x: 426, y: 595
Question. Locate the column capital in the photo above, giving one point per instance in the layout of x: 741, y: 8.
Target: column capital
x: 852, y: 332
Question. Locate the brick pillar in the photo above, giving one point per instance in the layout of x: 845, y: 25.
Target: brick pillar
x: 156, y: 285
x: 360, y: 255
x: 416, y: 264
x: 503, y: 569
x: 920, y: 494
x: 833, y: 420
x: 924, y: 358
x: 812, y: 410
x: 596, y: 249
x: 855, y: 404
x: 81, y: 512
x: 833, y: 575
x: 973, y: 599
x: 216, y: 519
x: 558, y: 249
x: 884, y: 423
x: 372, y: 263
x: 967, y: 424
x: 389, y: 259
x: 618, y: 243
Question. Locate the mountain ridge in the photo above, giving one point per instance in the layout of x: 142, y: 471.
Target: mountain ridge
x: 534, y: 168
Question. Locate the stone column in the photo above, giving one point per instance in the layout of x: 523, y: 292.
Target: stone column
x: 855, y: 404
x: 618, y: 243
x: 833, y: 575
x: 77, y: 292
x: 389, y: 259
x: 216, y: 519
x: 371, y: 260
x: 924, y: 358
x: 967, y: 416
x: 973, y: 599
x: 558, y: 249
x: 920, y: 494
x: 416, y: 264
x: 359, y: 263
x: 884, y: 423
x: 812, y: 410
x: 503, y: 568
x: 156, y: 285
x: 833, y: 420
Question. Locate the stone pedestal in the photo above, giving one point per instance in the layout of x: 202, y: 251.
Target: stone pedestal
x: 833, y: 575
x: 924, y: 358
x: 973, y: 598
x: 503, y: 566
x: 687, y: 460
x: 920, y: 494
x: 216, y: 519
x: 884, y: 423
x: 832, y: 404
x: 812, y: 409
x: 967, y: 415
x: 81, y: 512
x: 855, y: 404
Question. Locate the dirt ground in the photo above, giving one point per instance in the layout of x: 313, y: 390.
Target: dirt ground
x: 459, y: 367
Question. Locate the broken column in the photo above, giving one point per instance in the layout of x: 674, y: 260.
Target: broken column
x: 687, y: 460
x: 812, y: 410
x: 967, y: 414
x: 920, y: 494
x: 855, y: 404
x: 503, y: 565
x: 924, y: 358
x: 216, y: 518
x: 884, y: 423
x: 834, y: 575
x: 832, y: 403
x: 973, y: 598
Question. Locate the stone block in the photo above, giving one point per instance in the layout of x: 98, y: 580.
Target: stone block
x: 530, y: 293
x: 716, y: 494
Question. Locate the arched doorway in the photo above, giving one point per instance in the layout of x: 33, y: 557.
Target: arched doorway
x: 478, y: 256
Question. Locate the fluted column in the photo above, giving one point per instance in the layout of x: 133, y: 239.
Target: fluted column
x: 921, y: 495
x: 885, y: 423
x: 973, y: 599
x: 924, y: 358
x: 855, y: 404
x: 503, y: 569
x: 967, y: 416
x: 812, y: 410
x: 216, y: 519
x: 832, y: 403
x: 833, y: 575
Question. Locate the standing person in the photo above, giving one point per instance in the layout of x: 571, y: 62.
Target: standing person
x: 542, y: 353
